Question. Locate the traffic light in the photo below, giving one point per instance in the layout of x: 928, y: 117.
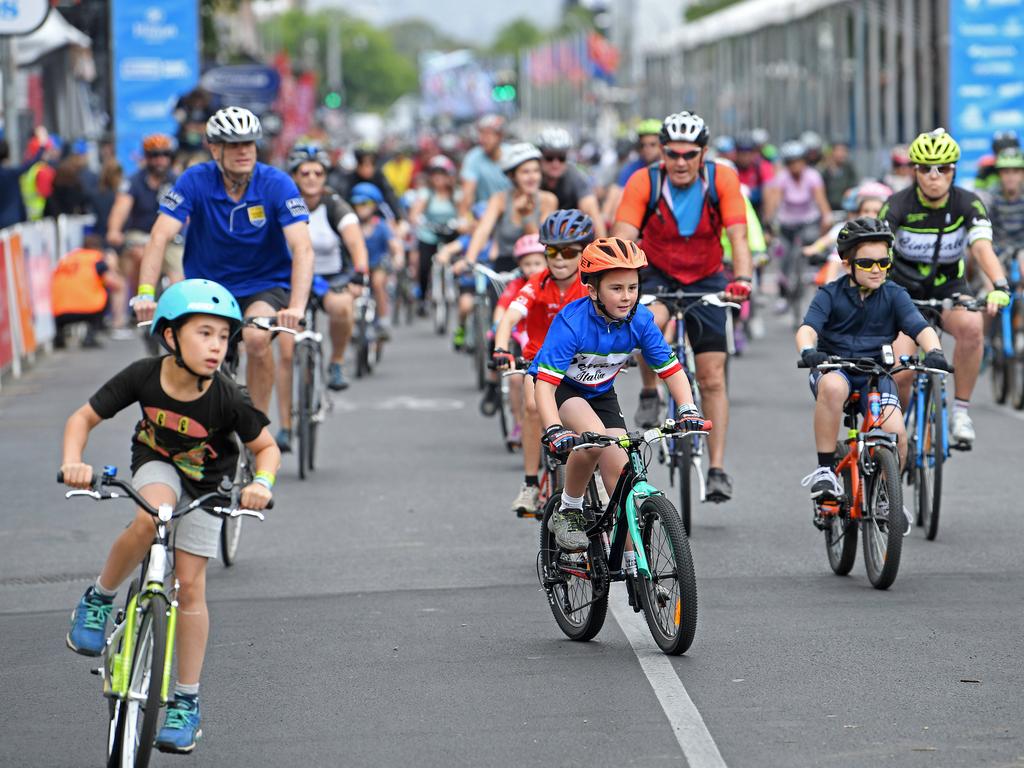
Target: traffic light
x: 503, y: 93
x: 332, y: 100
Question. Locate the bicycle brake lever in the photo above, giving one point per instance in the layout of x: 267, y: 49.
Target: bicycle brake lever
x: 82, y: 492
x: 238, y: 512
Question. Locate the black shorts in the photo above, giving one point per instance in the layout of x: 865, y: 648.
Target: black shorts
x: 705, y: 326
x: 952, y: 286
x: 277, y: 298
x: 605, y: 405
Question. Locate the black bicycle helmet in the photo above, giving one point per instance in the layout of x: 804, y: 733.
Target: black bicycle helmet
x: 863, y: 230
x: 567, y: 226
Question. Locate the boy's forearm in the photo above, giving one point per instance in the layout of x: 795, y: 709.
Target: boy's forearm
x: 268, y: 459
x: 805, y: 337
x: 679, y: 388
x: 928, y: 339
x: 76, y: 435
x: 547, y: 408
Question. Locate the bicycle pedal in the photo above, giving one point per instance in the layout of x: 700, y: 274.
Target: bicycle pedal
x: 98, y: 671
x: 962, y: 446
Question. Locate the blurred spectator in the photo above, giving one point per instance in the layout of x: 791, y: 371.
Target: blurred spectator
x: 12, y: 204
x: 366, y: 170
x: 80, y: 292
x: 901, y: 172
x: 111, y: 175
x: 839, y: 174
x: 399, y: 170
x: 37, y: 182
x: 68, y: 195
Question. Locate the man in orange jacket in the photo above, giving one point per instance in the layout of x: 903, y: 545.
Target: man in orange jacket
x: 82, y: 282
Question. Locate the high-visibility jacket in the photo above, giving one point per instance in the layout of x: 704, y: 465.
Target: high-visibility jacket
x: 34, y: 202
x: 77, y: 287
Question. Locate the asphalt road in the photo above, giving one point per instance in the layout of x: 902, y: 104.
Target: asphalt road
x: 387, y: 612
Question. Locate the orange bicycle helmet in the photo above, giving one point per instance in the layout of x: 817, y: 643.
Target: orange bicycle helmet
x: 611, y: 253
x: 157, y: 142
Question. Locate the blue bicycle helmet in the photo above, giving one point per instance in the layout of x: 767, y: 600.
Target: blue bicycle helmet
x: 567, y: 226
x: 308, y: 153
x: 365, y: 192
x: 192, y: 297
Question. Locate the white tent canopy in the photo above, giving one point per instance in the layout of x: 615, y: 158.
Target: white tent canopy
x: 54, y: 34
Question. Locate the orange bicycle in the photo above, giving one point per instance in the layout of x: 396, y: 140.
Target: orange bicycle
x: 867, y: 460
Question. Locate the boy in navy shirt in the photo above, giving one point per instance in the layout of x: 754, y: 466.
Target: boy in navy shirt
x: 854, y: 316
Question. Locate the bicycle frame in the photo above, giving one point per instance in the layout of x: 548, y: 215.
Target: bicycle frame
x: 919, y: 396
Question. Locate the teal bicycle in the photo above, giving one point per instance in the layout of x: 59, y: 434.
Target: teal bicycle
x: 138, y: 658
x: 660, y: 581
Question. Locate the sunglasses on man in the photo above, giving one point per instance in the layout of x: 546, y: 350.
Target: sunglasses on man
x: 568, y: 253
x: 317, y: 173
x: 692, y: 154
x: 555, y: 157
x: 160, y: 153
x: 868, y: 264
x: 942, y: 170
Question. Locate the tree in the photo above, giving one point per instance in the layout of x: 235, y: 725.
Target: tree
x: 702, y: 8
x: 412, y: 37
x: 373, y: 71
x: 515, y: 36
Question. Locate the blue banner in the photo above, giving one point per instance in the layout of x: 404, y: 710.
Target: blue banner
x: 156, y: 60
x: 986, y: 78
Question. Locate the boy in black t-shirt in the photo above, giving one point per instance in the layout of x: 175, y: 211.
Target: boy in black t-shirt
x: 182, y: 447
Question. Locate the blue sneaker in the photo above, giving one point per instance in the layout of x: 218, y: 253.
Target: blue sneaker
x: 336, y: 377
x: 181, y: 726
x: 88, y: 634
x: 283, y: 438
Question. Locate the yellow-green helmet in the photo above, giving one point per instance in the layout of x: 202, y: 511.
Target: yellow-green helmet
x: 1009, y: 158
x: 648, y: 127
x: 934, y: 148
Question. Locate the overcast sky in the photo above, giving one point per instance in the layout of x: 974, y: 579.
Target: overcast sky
x: 469, y: 20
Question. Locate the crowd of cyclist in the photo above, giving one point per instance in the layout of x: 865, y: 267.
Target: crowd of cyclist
x: 573, y: 253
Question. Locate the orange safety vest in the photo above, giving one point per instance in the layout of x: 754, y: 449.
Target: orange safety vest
x: 77, y: 288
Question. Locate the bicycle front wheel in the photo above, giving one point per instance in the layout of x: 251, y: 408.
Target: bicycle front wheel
x: 576, y: 584
x: 480, y: 326
x: 669, y: 597
x: 929, y: 476
x: 883, y: 522
x: 141, y: 709
x: 1017, y: 361
x: 1000, y: 366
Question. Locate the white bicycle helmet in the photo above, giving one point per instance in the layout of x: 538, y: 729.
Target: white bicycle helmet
x: 792, y: 150
x: 684, y: 126
x: 556, y: 139
x: 515, y: 155
x: 233, y: 125
x: 811, y: 140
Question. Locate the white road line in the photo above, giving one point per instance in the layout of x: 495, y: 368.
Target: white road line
x: 693, y: 736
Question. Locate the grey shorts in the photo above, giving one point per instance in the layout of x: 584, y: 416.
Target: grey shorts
x: 197, y: 533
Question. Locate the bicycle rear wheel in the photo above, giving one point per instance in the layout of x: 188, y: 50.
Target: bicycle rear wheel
x: 576, y: 584
x: 1001, y: 369
x: 883, y: 522
x: 304, y: 407
x: 231, y: 527
x: 480, y: 326
x: 669, y: 597
x: 929, y: 476
x: 140, y: 711
x: 688, y: 462
x: 841, y: 534
x: 1017, y: 361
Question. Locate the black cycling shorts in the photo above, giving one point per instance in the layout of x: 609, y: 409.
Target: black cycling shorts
x: 606, y: 405
x: 705, y: 325
x: 928, y: 291
x: 277, y: 298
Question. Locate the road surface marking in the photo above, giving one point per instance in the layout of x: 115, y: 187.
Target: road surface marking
x: 698, y: 747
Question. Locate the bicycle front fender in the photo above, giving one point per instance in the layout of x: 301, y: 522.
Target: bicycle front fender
x: 642, y: 490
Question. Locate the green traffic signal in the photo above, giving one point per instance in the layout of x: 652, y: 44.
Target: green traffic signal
x: 332, y: 100
x: 503, y: 93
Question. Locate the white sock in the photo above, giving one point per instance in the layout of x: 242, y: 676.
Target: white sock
x: 571, y: 502
x: 188, y: 690
x: 99, y: 589
x: 960, y: 405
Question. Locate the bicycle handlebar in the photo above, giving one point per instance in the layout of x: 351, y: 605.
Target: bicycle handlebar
x: 667, y: 429
x: 962, y: 300
x: 699, y: 299
x: 100, y: 481
x: 869, y: 365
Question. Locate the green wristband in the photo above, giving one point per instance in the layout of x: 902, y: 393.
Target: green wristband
x: 265, y: 478
x: 145, y: 289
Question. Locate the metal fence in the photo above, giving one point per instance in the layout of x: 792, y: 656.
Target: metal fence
x: 872, y: 72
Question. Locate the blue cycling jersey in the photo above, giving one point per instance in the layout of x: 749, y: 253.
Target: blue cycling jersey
x: 240, y: 244
x: 584, y: 350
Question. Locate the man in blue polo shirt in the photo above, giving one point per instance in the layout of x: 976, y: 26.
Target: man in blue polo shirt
x: 247, y: 230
